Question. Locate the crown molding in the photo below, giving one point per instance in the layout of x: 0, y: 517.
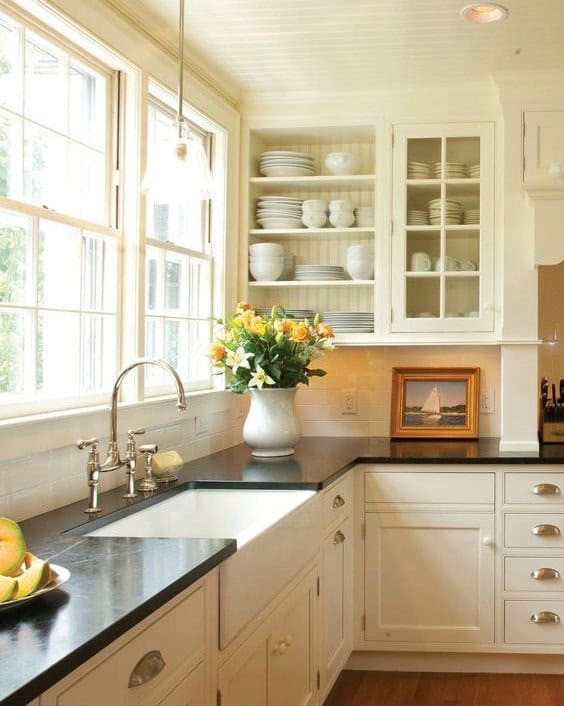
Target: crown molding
x: 539, y: 88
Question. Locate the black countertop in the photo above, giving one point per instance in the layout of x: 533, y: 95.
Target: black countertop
x: 116, y: 582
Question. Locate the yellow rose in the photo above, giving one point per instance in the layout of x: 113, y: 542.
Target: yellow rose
x: 283, y: 325
x: 325, y: 330
x: 300, y: 333
x: 257, y: 326
x: 217, y: 351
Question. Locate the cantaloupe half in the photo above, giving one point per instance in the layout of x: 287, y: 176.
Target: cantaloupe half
x: 12, y: 546
x: 8, y: 588
x: 35, y: 576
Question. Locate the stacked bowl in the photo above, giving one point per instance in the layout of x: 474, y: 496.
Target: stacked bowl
x: 452, y: 170
x: 341, y: 214
x: 418, y: 170
x: 417, y: 218
x: 473, y: 171
x: 360, y: 261
x: 471, y: 216
x: 266, y: 261
x: 281, y: 163
x: 453, y: 212
x: 279, y: 212
x: 314, y: 213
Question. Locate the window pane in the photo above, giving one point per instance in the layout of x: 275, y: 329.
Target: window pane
x: 199, y: 299
x: 99, y: 273
x: 44, y: 97
x: 58, y: 361
x: 12, y: 345
x: 154, y: 348
x: 98, y: 352
x: 199, y: 340
x: 59, y: 268
x: 85, y: 196
x: 87, y: 105
x: 45, y: 159
x: 10, y: 92
x: 154, y: 280
x: 15, y: 259
x: 10, y: 156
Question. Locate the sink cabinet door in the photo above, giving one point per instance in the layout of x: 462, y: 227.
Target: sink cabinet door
x: 336, y: 592
x: 243, y: 679
x: 190, y: 692
x: 429, y: 577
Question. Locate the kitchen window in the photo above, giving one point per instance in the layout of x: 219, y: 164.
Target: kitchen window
x: 178, y: 266
x: 58, y: 241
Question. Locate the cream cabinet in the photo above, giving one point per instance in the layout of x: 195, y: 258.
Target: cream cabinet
x: 336, y: 581
x: 277, y: 665
x: 543, y: 145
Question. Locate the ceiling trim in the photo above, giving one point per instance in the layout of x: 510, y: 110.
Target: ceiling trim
x: 207, y: 77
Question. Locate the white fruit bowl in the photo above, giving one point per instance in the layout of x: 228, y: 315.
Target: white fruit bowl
x: 342, y: 163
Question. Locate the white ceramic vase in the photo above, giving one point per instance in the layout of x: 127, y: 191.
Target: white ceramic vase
x: 272, y: 427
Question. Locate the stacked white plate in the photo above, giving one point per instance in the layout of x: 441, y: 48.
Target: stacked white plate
x: 473, y: 171
x: 471, y: 216
x: 417, y: 218
x: 292, y: 313
x: 306, y: 273
x: 350, y: 321
x: 453, y: 212
x: 279, y: 163
x: 452, y: 170
x: 279, y: 212
x: 419, y: 170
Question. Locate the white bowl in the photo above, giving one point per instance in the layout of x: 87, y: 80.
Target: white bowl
x: 360, y: 249
x: 266, y: 249
x: 314, y: 219
x: 266, y: 259
x: 340, y: 205
x: 364, y: 220
x: 310, y: 205
x: 341, y: 219
x: 361, y: 269
x: 342, y: 163
x: 266, y: 271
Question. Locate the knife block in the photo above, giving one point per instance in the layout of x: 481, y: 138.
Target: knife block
x: 552, y: 425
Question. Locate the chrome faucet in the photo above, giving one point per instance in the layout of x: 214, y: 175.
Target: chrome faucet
x: 113, y: 459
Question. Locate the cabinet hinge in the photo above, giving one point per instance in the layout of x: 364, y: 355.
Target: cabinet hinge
x: 318, y: 680
x: 218, y: 698
x: 363, y: 623
x: 318, y: 585
x: 363, y: 530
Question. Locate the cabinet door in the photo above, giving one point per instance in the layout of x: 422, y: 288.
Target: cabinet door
x: 429, y: 577
x: 543, y: 145
x: 293, y: 654
x: 243, y: 679
x: 443, y: 218
x: 190, y: 691
x: 336, y: 590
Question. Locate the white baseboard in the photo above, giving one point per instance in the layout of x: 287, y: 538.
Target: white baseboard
x: 472, y: 663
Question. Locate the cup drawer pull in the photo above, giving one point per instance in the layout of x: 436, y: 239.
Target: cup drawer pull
x: 546, y: 530
x: 545, y: 616
x: 146, y: 669
x: 545, y: 573
x: 338, y: 501
x: 545, y: 489
x: 339, y: 537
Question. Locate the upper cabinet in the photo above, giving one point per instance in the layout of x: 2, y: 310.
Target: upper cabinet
x: 543, y: 144
x: 443, y: 228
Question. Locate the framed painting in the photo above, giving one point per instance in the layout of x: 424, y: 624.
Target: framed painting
x: 435, y: 403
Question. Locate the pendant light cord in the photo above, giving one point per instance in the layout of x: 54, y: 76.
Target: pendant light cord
x: 180, y: 114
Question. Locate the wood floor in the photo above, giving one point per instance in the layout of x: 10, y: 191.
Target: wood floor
x: 355, y: 688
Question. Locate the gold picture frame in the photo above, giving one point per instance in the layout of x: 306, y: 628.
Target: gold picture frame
x: 435, y: 403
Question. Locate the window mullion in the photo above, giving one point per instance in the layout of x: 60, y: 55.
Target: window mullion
x: 32, y: 356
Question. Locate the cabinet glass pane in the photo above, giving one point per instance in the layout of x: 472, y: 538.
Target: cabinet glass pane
x: 462, y: 204
x: 423, y: 299
x: 423, y: 251
x: 421, y: 200
x: 463, y: 249
x: 462, y: 297
x: 422, y: 156
x: 463, y: 152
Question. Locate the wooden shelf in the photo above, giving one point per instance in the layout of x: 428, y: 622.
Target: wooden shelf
x: 429, y: 228
x: 315, y: 283
x: 328, y: 232
x: 353, y: 182
x: 447, y: 273
x: 438, y: 182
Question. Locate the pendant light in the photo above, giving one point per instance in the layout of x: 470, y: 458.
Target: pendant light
x: 182, y: 169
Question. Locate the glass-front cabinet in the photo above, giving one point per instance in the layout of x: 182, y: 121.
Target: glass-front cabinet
x: 443, y: 228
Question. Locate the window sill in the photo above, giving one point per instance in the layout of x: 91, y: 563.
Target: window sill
x: 24, y: 436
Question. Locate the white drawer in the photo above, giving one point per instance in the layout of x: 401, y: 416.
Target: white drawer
x: 338, y: 501
x: 520, y: 628
x: 429, y: 488
x: 179, y: 636
x: 534, y: 488
x: 190, y: 692
x: 538, y: 574
x: 540, y: 529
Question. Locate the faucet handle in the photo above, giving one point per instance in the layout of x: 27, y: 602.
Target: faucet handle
x: 84, y: 443
x: 148, y: 449
x: 133, y: 432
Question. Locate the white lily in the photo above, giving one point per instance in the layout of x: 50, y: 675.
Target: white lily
x: 238, y: 359
x: 260, y: 378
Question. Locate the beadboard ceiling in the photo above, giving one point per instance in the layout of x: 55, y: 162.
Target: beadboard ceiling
x: 264, y: 47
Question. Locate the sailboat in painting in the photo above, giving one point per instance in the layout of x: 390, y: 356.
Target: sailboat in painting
x: 432, y: 406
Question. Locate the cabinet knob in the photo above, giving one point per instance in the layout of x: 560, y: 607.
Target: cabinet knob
x: 488, y: 541
x: 339, y: 537
x: 546, y: 530
x: 338, y: 501
x: 545, y: 616
x: 146, y: 669
x: 545, y: 489
x: 544, y: 574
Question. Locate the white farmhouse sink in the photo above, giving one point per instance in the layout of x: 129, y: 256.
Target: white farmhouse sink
x: 277, y: 532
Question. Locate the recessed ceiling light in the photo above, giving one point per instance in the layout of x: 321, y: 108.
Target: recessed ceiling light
x: 483, y: 12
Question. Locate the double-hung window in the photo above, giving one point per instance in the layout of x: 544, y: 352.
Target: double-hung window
x: 58, y: 238
x: 178, y: 265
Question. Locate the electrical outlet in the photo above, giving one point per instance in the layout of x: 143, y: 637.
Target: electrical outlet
x: 487, y: 401
x: 201, y: 426
x: 348, y: 402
